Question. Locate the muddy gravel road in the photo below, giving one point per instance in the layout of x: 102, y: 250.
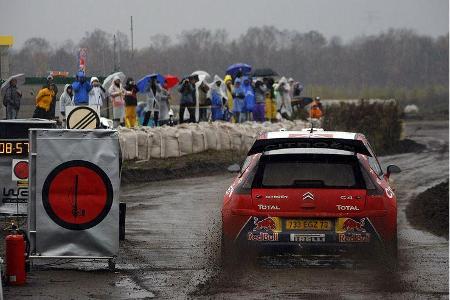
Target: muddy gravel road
x: 172, y: 247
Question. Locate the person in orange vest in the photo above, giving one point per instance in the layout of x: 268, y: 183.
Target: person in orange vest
x: 316, y: 111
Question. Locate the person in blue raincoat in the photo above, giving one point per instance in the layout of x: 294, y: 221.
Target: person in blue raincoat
x: 81, y: 88
x: 249, y: 99
x: 217, y: 99
x: 238, y: 101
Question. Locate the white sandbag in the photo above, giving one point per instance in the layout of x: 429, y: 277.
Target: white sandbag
x: 199, y: 142
x: 142, y: 141
x: 236, y: 137
x: 149, y: 143
x: 300, y: 124
x: 185, y: 140
x: 212, y: 136
x: 170, y: 140
x: 224, y: 138
x: 157, y: 147
x: 248, y: 137
x: 128, y: 143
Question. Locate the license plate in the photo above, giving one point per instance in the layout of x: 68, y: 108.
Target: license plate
x: 308, y: 225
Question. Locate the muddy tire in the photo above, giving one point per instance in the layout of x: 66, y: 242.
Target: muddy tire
x: 227, y: 251
x: 112, y: 264
x: 390, y: 256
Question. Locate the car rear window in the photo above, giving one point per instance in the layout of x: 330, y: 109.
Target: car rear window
x: 310, y: 171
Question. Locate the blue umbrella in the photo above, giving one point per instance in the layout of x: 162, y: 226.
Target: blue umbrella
x: 234, y: 69
x: 143, y: 83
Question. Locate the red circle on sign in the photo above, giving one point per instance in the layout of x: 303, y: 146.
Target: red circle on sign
x: 21, y: 170
x: 77, y: 195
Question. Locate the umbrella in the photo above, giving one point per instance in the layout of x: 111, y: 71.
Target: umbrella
x: 264, y: 72
x: 143, y: 83
x: 20, y: 80
x: 202, y: 75
x: 234, y: 69
x: 171, y: 81
x: 109, y: 80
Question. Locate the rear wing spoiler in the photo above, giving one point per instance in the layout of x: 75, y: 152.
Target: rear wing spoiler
x: 352, y: 145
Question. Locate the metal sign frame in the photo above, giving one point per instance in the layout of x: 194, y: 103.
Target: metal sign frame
x: 60, y: 154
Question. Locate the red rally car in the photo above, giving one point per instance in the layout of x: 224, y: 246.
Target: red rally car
x: 311, y: 188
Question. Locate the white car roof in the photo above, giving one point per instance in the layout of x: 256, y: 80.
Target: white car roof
x: 308, y: 151
x: 306, y: 133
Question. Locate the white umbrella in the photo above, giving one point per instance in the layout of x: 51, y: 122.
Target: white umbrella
x: 20, y: 80
x: 202, y: 75
x: 109, y: 80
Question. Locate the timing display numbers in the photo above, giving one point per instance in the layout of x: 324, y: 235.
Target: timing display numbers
x: 14, y: 147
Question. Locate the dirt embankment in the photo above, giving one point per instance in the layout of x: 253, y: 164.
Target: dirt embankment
x: 200, y: 164
x: 429, y: 210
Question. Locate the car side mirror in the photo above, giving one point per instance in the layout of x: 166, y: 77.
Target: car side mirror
x: 392, y: 169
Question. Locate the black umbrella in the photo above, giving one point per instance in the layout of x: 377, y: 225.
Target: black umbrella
x: 264, y: 72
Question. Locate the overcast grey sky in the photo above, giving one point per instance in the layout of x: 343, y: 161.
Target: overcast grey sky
x: 58, y: 20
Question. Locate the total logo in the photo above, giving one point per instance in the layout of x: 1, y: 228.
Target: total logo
x: 268, y: 207
x: 347, y: 207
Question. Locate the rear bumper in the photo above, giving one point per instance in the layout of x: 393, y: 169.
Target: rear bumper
x: 309, y: 240
x: 344, y: 233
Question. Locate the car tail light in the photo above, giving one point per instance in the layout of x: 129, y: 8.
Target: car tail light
x: 245, y: 186
x: 373, y: 189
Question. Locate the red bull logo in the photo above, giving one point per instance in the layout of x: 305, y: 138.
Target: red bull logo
x: 266, y: 224
x: 352, y: 225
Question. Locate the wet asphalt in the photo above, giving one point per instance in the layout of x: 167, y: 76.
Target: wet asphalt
x: 172, y: 248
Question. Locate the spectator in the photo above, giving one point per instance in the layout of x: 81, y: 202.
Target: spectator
x: 81, y: 89
x: 298, y: 89
x: 229, y: 92
x: 260, y: 98
x: 217, y: 99
x: 51, y: 113
x: 66, y: 99
x: 43, y: 102
x: 316, y: 111
x: 11, y: 100
x: 164, y: 105
x: 203, y: 101
x: 238, y: 101
x: 97, y: 94
x: 186, y: 89
x: 130, y: 103
x: 284, y: 105
x: 116, y: 93
x: 249, y: 99
x: 291, y: 83
x: 271, y: 106
x: 153, y: 98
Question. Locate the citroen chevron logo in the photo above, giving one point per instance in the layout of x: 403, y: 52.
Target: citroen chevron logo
x: 308, y: 196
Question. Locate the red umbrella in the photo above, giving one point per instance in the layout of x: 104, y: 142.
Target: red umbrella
x: 171, y: 81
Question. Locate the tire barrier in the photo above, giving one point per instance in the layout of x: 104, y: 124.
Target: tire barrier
x: 147, y: 143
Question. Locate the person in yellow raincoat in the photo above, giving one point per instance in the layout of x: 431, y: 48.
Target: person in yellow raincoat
x: 130, y: 103
x: 43, y: 102
x: 271, y: 105
x: 229, y: 92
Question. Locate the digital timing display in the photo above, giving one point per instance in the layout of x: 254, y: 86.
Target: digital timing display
x: 14, y: 147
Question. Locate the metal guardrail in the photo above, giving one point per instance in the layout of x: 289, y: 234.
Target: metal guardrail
x: 56, y: 80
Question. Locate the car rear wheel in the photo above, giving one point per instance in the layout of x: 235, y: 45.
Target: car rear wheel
x: 389, y: 254
x: 228, y: 253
